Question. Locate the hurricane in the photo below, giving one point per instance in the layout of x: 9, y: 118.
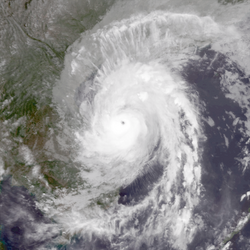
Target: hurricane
x: 148, y: 142
x: 139, y: 118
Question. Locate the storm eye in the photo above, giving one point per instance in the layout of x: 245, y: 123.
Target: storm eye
x: 122, y: 122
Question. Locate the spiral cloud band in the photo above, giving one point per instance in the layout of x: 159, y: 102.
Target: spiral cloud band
x: 137, y: 115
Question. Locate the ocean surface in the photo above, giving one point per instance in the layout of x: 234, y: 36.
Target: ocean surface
x: 124, y: 125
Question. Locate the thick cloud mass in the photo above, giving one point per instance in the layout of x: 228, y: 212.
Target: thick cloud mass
x: 141, y: 124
